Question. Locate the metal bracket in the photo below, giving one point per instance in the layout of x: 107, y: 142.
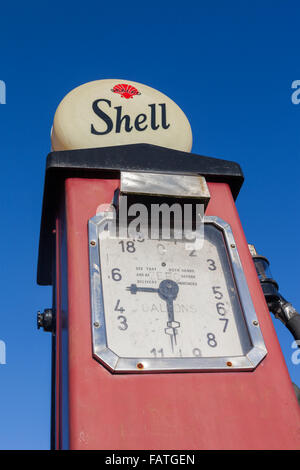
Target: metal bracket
x: 165, y: 185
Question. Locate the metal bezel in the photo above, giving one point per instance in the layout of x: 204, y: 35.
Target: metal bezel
x: 118, y: 364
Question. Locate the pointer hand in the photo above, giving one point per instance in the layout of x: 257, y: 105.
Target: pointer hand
x: 167, y: 291
x: 134, y: 289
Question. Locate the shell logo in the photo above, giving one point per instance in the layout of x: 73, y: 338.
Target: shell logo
x: 126, y: 91
x: 93, y: 115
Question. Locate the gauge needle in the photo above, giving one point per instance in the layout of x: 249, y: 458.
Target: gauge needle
x: 167, y: 291
x: 134, y: 289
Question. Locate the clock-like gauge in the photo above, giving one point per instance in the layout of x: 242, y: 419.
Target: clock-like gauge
x: 158, y: 306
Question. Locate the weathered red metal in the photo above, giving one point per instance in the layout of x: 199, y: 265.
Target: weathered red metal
x: 99, y: 410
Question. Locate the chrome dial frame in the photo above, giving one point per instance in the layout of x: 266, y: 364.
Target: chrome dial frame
x: 248, y: 361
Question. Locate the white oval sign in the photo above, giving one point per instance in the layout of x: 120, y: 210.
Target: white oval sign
x: 112, y: 112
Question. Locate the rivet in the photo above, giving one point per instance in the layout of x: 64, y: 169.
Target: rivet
x: 255, y: 322
x: 93, y: 243
x: 140, y: 365
x: 96, y: 324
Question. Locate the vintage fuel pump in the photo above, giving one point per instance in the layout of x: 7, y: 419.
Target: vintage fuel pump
x: 162, y: 337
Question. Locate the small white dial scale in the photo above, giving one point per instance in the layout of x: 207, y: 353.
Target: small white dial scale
x: 161, y: 300
x: 157, y: 305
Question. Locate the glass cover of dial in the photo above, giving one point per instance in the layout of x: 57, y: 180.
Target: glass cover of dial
x: 164, y: 301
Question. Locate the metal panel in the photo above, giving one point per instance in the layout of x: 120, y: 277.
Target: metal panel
x: 253, y: 351
x: 237, y: 410
x: 160, y: 184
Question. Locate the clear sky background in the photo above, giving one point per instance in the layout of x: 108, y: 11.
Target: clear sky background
x: 228, y: 64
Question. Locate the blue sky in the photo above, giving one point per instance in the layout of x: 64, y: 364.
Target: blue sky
x: 228, y: 64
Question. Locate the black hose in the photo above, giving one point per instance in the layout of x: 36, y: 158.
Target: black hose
x: 294, y: 326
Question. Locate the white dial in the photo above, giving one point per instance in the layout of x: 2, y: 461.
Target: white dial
x: 157, y: 306
x: 163, y: 301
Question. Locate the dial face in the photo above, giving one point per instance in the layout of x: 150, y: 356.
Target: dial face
x: 161, y: 300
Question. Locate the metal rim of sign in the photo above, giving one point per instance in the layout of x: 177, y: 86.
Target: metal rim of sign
x: 107, y: 357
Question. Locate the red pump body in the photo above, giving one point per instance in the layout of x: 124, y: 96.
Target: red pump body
x: 96, y: 409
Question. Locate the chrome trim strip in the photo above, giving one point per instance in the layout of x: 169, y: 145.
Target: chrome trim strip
x: 139, y: 365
